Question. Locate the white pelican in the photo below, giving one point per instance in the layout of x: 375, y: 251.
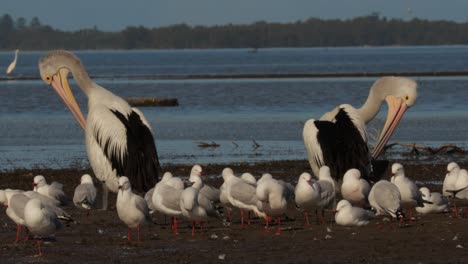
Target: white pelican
x: 339, y: 139
x: 12, y: 65
x: 119, y: 140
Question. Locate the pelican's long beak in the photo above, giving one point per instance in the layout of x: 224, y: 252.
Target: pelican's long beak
x: 396, y: 109
x: 62, y: 87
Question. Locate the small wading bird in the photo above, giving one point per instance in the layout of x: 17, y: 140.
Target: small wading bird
x: 119, y: 139
x: 12, y: 65
x: 339, y: 139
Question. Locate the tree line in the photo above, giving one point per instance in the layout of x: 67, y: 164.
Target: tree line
x: 373, y: 30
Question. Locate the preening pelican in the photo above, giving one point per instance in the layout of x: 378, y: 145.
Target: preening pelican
x: 339, y: 139
x: 12, y: 65
x: 119, y: 140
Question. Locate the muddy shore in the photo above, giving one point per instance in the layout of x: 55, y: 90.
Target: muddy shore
x: 101, y: 238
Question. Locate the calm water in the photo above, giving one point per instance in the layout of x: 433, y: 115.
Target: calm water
x: 37, y: 129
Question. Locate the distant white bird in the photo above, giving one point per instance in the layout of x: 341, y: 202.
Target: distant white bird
x: 14, y: 209
x: 53, y: 191
x: 307, y: 194
x: 410, y: 194
x: 385, y: 197
x: 327, y: 191
x: 131, y: 208
x: 241, y: 194
x: 347, y: 215
x: 85, y: 193
x: 271, y: 197
x: 166, y: 197
x: 195, y: 205
x: 439, y: 204
x: 12, y: 65
x: 354, y: 189
x: 40, y: 220
x: 450, y: 178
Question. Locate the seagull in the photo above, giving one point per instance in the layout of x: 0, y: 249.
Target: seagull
x: 210, y: 192
x: 439, y: 204
x: 166, y: 197
x: 194, y: 204
x: 13, y: 210
x: 131, y: 208
x: 354, y: 189
x: 385, y: 197
x: 40, y: 220
x: 85, y: 194
x: 241, y: 194
x: 327, y: 191
x: 53, y: 191
x: 450, y: 178
x: 307, y: 194
x: 347, y: 215
x: 410, y: 194
x: 149, y: 200
x: 271, y: 197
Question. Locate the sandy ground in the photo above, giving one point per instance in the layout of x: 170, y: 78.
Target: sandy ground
x: 101, y: 238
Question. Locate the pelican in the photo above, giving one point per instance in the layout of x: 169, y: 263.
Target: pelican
x: 12, y: 65
x: 339, y: 139
x: 119, y: 139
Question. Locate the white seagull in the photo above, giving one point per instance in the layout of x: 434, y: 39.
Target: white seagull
x: 166, y: 197
x: 194, y: 205
x: 131, y: 208
x: 410, y: 194
x: 53, y: 191
x: 347, y: 215
x: 327, y: 191
x: 210, y: 192
x: 354, y: 189
x: 40, y: 220
x: 85, y: 193
x: 119, y: 139
x: 439, y: 204
x: 271, y: 197
x: 307, y: 194
x: 339, y: 139
x: 450, y: 178
x: 385, y: 197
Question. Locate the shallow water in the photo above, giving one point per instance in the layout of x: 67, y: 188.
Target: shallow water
x: 37, y: 129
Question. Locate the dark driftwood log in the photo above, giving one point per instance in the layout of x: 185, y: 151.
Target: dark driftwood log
x: 152, y: 101
x: 444, y: 149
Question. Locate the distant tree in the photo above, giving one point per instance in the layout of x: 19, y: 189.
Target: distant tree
x: 35, y: 23
x: 21, y: 23
x: 6, y: 31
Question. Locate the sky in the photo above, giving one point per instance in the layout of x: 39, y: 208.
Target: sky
x: 115, y: 15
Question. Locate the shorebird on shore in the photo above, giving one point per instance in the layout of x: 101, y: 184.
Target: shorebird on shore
x: 347, y: 215
x: 85, y: 194
x: 53, y: 190
x: 119, y: 139
x: 339, y: 139
x: 131, y: 208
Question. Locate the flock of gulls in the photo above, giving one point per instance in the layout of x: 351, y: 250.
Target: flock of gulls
x: 123, y: 156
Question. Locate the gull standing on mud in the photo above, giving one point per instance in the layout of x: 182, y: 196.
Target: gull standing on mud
x: 166, y: 198
x: 450, y: 178
x: 410, y: 194
x: 354, y: 189
x: 439, y: 204
x: 40, y: 220
x: 271, y: 197
x: 210, y: 192
x: 14, y: 208
x: 53, y: 191
x: 327, y: 191
x: 85, y: 194
x: 307, y: 194
x: 131, y: 208
x: 385, y: 197
x: 339, y: 139
x: 119, y: 139
x: 347, y: 215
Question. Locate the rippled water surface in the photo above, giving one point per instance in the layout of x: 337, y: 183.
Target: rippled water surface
x: 37, y: 129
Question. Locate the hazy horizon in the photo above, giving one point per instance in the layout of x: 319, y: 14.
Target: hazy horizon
x: 115, y: 15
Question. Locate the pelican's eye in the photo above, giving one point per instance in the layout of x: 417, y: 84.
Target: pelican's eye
x: 406, y: 98
x: 48, y: 79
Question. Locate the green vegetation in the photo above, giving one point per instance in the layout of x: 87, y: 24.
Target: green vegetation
x: 371, y: 30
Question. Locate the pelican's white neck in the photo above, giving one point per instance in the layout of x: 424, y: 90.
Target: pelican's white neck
x: 372, y: 105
